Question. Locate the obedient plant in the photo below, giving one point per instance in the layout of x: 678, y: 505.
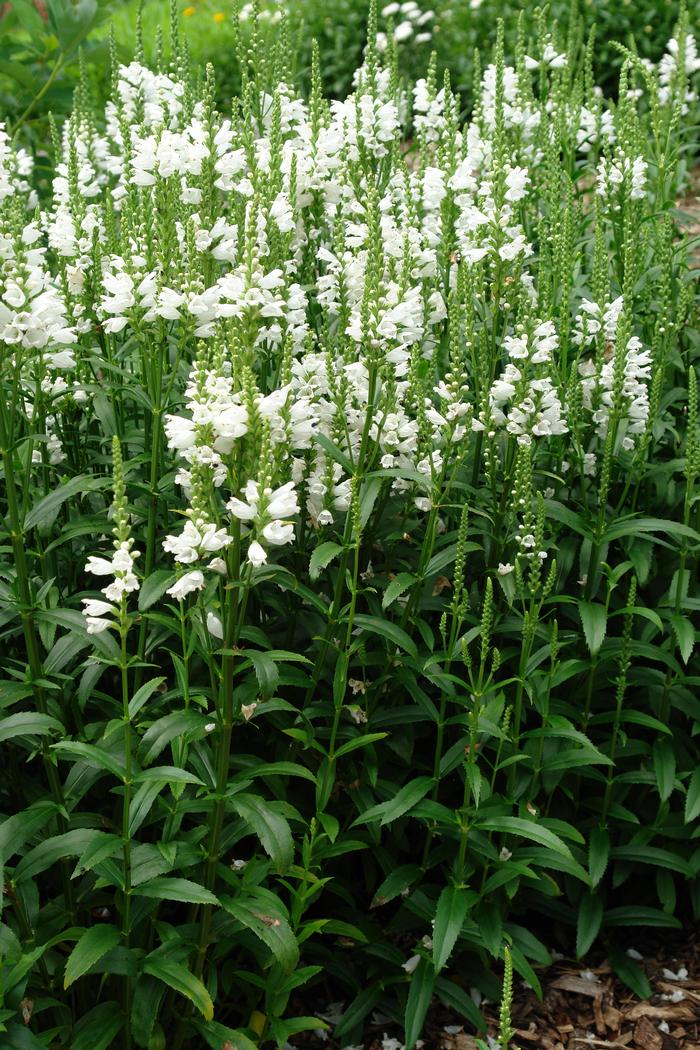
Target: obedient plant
x: 350, y: 458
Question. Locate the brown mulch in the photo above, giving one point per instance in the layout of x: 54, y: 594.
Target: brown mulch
x: 583, y: 1005
x: 591, y: 1008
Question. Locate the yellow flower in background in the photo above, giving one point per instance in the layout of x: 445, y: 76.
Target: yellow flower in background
x: 189, y: 11
x: 219, y: 16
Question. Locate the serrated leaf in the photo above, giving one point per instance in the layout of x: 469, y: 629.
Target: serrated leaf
x: 94, y: 943
x: 98, y: 1028
x: 143, y: 695
x: 685, y: 635
x: 179, y: 978
x: 183, y: 890
x: 452, y: 907
x: 268, y: 924
x: 395, y: 883
x: 101, y: 847
x: 94, y: 756
x: 403, y: 801
x: 527, y: 829
x: 266, y: 671
x: 630, y: 973
x: 361, y: 740
x: 270, y: 827
x: 154, y: 587
x: 692, y: 798
x: 28, y: 723
x: 322, y: 556
x: 45, y: 512
x: 590, y: 915
x: 420, y: 995
x: 16, y: 830
x: 594, y: 623
x: 664, y: 767
x: 52, y: 850
x: 394, y: 634
x: 598, y: 854
x: 396, y: 588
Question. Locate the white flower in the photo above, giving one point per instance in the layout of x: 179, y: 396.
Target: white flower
x: 504, y: 569
x: 256, y: 554
x: 187, y: 584
x: 214, y: 626
x: 283, y: 502
x: 99, y: 566
x: 95, y: 607
x: 278, y: 533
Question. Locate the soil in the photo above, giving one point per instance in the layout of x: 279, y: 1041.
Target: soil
x: 583, y: 1005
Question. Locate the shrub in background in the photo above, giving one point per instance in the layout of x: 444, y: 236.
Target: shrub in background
x: 350, y: 544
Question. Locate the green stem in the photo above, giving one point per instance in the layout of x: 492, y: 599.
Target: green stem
x: 126, y: 837
x: 40, y: 94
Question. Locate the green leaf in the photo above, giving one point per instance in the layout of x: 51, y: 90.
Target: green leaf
x: 218, y: 1035
x: 403, y: 801
x: 395, y: 883
x: 526, y: 829
x: 271, y: 828
x: 167, y: 775
x: 95, y: 942
x: 664, y: 767
x: 594, y: 623
x: 334, y: 452
x: 45, y: 512
x: 419, y: 996
x: 154, y: 587
x: 53, y: 850
x: 98, y: 1028
x: 266, y: 671
x: 636, y: 915
x: 685, y: 635
x: 598, y: 854
x: 267, y: 923
x: 644, y: 854
x: 630, y: 973
x: 101, y: 847
x: 176, y: 890
x: 353, y: 1018
x: 323, y: 556
x: 16, y: 830
x: 452, y: 995
x: 397, y: 586
x: 28, y: 723
x: 179, y: 978
x: 692, y: 798
x: 166, y: 729
x: 143, y: 695
x: 361, y: 740
x: 394, y: 634
x: 633, y: 526
x: 94, y: 756
x: 452, y: 907
x: 590, y: 915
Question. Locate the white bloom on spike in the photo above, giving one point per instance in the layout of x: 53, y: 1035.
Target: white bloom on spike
x: 256, y: 554
x: 214, y: 626
x: 99, y: 566
x: 187, y: 584
x: 278, y: 533
x: 283, y: 502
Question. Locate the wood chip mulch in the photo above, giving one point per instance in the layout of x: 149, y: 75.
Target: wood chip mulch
x: 591, y: 1008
